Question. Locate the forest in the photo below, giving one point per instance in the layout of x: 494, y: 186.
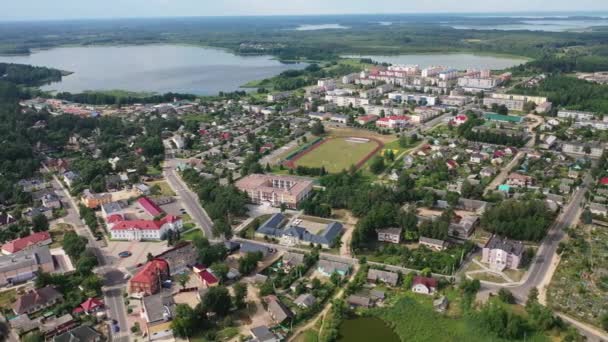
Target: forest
x: 28, y: 75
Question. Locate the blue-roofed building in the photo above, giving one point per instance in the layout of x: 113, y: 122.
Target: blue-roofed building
x: 293, y: 235
x: 272, y: 226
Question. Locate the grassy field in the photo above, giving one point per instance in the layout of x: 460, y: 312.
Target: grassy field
x: 165, y: 189
x: 337, y: 154
x: 192, y: 234
x: 57, y: 233
x: 413, y: 319
x: 7, y: 298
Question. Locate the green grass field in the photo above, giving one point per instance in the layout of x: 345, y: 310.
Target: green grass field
x: 337, y: 154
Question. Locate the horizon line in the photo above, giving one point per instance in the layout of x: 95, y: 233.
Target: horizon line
x: 516, y: 14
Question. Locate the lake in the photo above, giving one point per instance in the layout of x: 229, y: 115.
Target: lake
x: 321, y: 27
x: 365, y: 329
x: 153, y: 68
x: 540, y: 25
x: 460, y: 61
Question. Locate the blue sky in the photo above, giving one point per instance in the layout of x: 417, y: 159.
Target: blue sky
x: 71, y: 9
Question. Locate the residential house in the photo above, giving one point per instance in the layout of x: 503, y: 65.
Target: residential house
x: 502, y: 253
x: 93, y: 200
x: 208, y: 279
x: 305, y: 301
x: 392, y: 235
x: 463, y: 227
x: 386, y: 277
x: 83, y: 333
x: 158, y: 310
x: 487, y: 172
x: 518, y: 180
x: 435, y: 244
x: 293, y: 260
x: 424, y: 285
x: 70, y: 177
x: 36, y: 300
x: 149, y: 278
x: 90, y: 306
x: 263, y: 334
x: 54, y: 325
x: 358, y: 301
x: 327, y: 268
x: 277, y: 310
x: 31, y: 185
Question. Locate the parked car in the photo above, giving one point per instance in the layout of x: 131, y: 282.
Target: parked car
x: 125, y: 254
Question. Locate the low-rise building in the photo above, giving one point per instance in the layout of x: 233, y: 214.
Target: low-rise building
x: 148, y: 280
x: 592, y: 149
x: 25, y: 265
x: 386, y: 277
x: 502, y: 253
x: 83, y: 333
x: 327, y: 268
x: 158, y: 310
x: 276, y: 190
x: 36, y: 300
x: 93, y: 200
x: 277, y: 310
x: 435, y: 244
x: 393, y: 121
x: 305, y: 301
x: 392, y: 235
x: 137, y: 230
x: 30, y: 241
x: 424, y: 285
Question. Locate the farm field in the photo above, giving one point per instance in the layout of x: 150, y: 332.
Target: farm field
x: 337, y: 154
x: 579, y: 287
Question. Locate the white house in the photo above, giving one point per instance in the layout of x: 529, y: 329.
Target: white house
x: 424, y: 285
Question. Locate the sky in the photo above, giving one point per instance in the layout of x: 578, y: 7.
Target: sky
x: 78, y: 9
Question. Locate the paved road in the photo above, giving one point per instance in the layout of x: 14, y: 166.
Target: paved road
x: 542, y: 261
x: 189, y: 198
x: 110, y: 274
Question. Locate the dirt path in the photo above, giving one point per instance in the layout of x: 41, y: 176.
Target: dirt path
x: 323, y: 312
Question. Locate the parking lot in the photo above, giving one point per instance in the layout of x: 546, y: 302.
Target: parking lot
x: 139, y: 250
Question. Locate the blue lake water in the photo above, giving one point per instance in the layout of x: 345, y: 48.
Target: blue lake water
x: 153, y: 68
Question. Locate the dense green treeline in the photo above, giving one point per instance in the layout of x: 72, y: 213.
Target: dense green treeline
x: 572, y: 93
x: 104, y: 98
x: 27, y: 74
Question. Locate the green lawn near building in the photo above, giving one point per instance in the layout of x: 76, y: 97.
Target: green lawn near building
x: 337, y: 154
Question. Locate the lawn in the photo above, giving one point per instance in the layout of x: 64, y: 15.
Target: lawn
x: 7, y: 298
x: 165, y: 189
x: 192, y: 234
x: 308, y: 336
x: 57, y: 233
x: 337, y: 154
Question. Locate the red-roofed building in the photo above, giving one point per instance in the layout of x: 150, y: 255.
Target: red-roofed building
x: 33, y: 240
x: 208, y: 279
x: 136, y: 230
x: 89, y: 306
x: 424, y: 285
x: 459, y: 120
x: 365, y: 119
x: 149, y: 206
x: 225, y: 135
x: 604, y: 181
x: 148, y: 280
x: 393, y: 121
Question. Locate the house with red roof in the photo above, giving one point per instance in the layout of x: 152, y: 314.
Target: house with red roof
x: 33, y: 240
x: 208, y: 279
x: 424, y: 285
x: 459, y: 120
x: 604, y: 181
x: 365, y: 119
x: 149, y: 279
x: 393, y: 121
x: 149, y: 206
x: 137, y: 230
x: 89, y: 306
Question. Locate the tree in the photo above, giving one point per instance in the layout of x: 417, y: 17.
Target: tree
x: 40, y: 223
x: 149, y: 257
x: 220, y: 269
x: 249, y: 262
x: 185, y: 322
x: 377, y: 165
x: 183, y: 279
x: 218, y: 301
x: 532, y: 297
x: 33, y: 337
x: 283, y: 207
x: 318, y: 128
x: 604, y: 321
x: 240, y: 295
x: 506, y: 296
x: 74, y: 245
